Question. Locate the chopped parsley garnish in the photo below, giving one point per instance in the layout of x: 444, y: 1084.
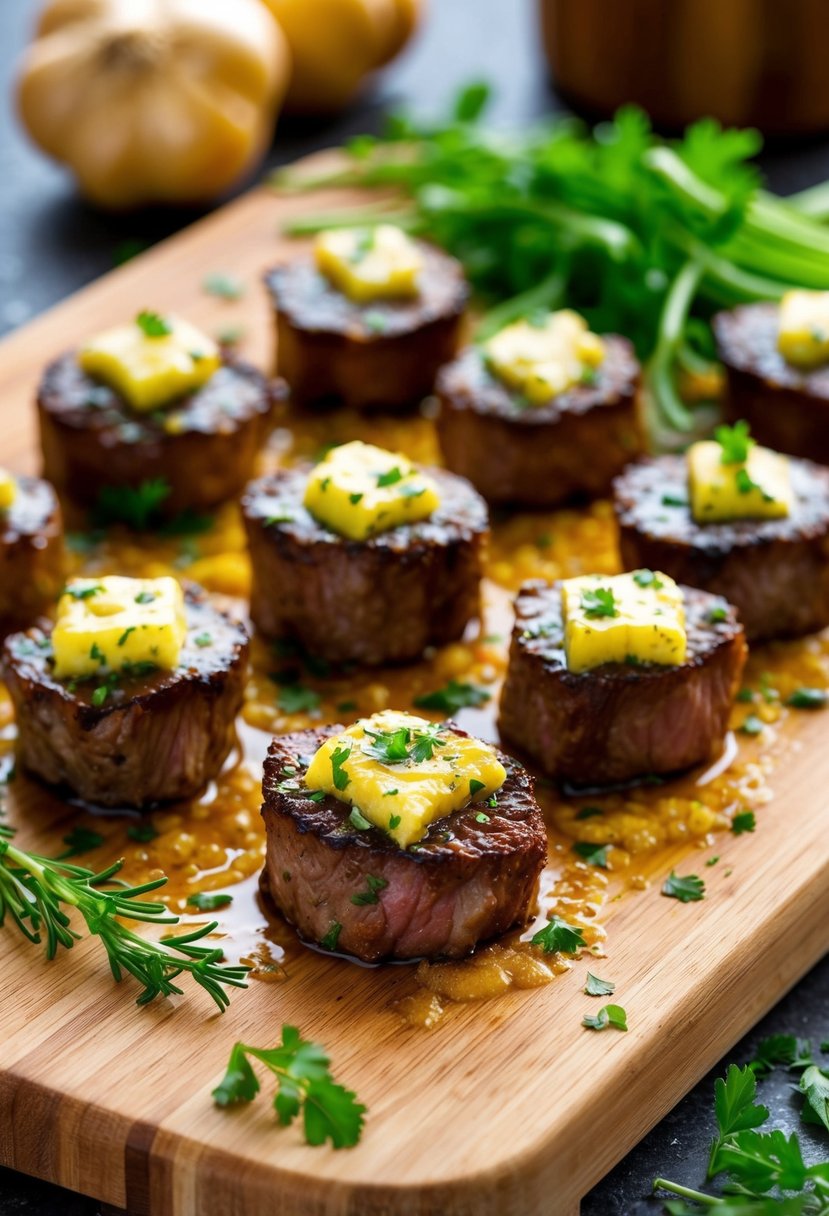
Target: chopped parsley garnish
x: 346, y: 707
x: 745, y: 695
x: 390, y: 478
x: 96, y: 653
x: 81, y: 840
x: 599, y: 603
x: 410, y: 489
x: 808, y: 698
x: 100, y: 695
x: 687, y: 889
x: 338, y: 774
x: 597, y: 987
x: 283, y: 517
x: 355, y: 498
x: 674, y: 500
x: 712, y: 861
x: 559, y: 937
x: 225, y: 286
x: 145, y: 597
x: 745, y: 821
x: 329, y: 942
x: 593, y: 854
x: 152, y: 324
x: 453, y: 696
x: 735, y: 442
x: 481, y: 817
x: 143, y: 833
x: 389, y: 793
x: 297, y: 699
x: 358, y: 820
x: 209, y: 901
x: 425, y: 743
x: 397, y: 746
x: 608, y: 1015
x: 375, y: 322
x: 475, y: 786
x: 83, y: 593
x: 752, y: 725
x: 370, y: 895
x: 129, y: 629
x: 203, y: 639
x: 718, y: 613
x: 394, y: 821
x: 137, y: 508
x: 588, y: 812
x: 647, y: 578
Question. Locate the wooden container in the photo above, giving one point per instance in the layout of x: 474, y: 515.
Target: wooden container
x: 755, y: 63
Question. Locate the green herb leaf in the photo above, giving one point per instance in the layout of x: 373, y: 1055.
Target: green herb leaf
x: 82, y: 593
x: 745, y: 821
x: 332, y: 936
x: 735, y: 442
x: 453, y: 696
x: 358, y: 820
x: 81, y: 840
x: 371, y: 894
x: 647, y: 578
x: 814, y: 1084
x: 475, y: 786
x: 752, y: 725
x: 593, y: 854
x: 338, y: 774
x: 608, y: 1015
x: 389, y: 478
x: 304, y: 1086
x: 143, y: 833
x: 225, y: 286
x: 153, y: 325
x: 687, y: 890
x: 203, y: 639
x: 209, y: 901
x: 599, y: 603
x: 808, y: 698
x: 597, y: 987
x: 589, y: 812
x: 138, y: 509
x: 297, y: 699
x: 557, y: 937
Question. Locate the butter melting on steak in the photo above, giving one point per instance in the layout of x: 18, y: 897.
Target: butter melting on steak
x: 356, y: 891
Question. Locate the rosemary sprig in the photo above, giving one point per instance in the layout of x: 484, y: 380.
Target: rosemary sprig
x: 34, y: 891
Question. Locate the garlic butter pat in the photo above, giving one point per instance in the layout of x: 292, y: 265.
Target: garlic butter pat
x: 359, y: 490
x: 628, y: 618
x: 402, y: 772
x: 369, y: 264
x: 8, y: 490
x: 112, y: 624
x: 153, y: 361
x: 737, y: 479
x: 542, y: 359
x: 803, y: 334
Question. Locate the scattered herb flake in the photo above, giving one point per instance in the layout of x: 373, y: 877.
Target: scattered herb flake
x: 745, y: 821
x: 752, y: 725
x: 453, y: 696
x: 608, y: 1015
x: 687, y: 889
x: 597, y: 987
x: 557, y: 937
x: 225, y: 286
x: 153, y: 325
x: 209, y: 901
x: 808, y: 698
x: 593, y: 854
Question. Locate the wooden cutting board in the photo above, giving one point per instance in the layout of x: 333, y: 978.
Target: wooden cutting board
x: 507, y: 1109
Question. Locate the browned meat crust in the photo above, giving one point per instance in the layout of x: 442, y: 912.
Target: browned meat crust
x: 156, y: 738
x: 203, y: 446
x: 31, y: 555
x: 464, y: 883
x: 540, y: 456
x: 377, y: 601
x: 383, y: 355
x: 787, y: 409
x: 618, y: 722
x: 774, y: 571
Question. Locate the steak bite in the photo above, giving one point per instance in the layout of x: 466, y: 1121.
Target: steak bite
x: 105, y: 421
x: 786, y: 404
x: 31, y: 551
x: 624, y: 719
x: 140, y: 734
x: 381, y: 599
x: 540, y: 452
x: 775, y: 571
x: 471, y: 876
x: 368, y: 343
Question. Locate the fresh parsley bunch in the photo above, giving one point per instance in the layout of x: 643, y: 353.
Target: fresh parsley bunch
x: 643, y: 237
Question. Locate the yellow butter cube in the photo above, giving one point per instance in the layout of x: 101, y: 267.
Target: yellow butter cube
x: 629, y: 618
x: 402, y: 772
x: 368, y: 264
x: 8, y: 490
x: 110, y: 624
x: 153, y: 361
x: 758, y: 487
x: 545, y: 358
x: 803, y: 335
x: 359, y: 490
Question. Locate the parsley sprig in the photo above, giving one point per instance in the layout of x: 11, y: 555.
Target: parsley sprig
x: 35, y: 891
x: 304, y: 1086
x: 765, y: 1171
x: 404, y: 744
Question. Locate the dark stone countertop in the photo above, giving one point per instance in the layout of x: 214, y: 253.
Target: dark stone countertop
x: 52, y: 243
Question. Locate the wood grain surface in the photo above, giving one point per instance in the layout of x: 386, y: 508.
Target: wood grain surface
x: 507, y: 1109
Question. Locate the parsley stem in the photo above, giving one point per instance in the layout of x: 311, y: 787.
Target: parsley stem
x: 674, y: 1188
x: 671, y: 325
x: 548, y: 294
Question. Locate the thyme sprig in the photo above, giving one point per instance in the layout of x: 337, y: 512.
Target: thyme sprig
x: 35, y: 892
